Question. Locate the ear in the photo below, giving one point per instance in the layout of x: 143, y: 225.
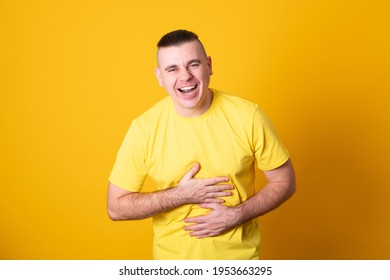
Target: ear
x: 210, y: 64
x: 157, y: 73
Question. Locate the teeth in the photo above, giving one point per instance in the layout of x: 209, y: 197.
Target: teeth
x: 185, y: 89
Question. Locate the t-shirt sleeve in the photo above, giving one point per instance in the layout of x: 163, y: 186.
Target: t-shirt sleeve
x: 269, y: 151
x: 129, y: 171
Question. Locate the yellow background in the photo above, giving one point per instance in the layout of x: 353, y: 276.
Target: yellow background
x: 73, y: 74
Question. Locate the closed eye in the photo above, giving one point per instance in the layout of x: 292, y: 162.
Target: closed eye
x: 194, y: 64
x: 172, y: 69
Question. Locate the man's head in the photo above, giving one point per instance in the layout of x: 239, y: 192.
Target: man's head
x: 177, y: 37
x: 184, y: 71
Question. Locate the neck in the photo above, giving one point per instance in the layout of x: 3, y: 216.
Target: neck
x: 196, y: 112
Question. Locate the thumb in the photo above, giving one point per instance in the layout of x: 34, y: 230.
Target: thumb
x: 192, y: 172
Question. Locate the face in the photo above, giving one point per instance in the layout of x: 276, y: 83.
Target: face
x: 184, y: 71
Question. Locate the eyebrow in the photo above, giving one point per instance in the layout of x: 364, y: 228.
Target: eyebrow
x: 188, y: 63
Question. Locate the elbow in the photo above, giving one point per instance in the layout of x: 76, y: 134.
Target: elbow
x: 292, y: 188
x: 116, y: 214
x: 113, y: 213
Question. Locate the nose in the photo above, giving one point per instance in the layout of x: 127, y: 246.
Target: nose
x: 186, y: 75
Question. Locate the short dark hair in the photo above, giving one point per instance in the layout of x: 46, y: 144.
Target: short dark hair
x: 177, y: 37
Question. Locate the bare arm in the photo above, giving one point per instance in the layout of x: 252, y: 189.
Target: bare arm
x: 125, y: 205
x: 281, y: 185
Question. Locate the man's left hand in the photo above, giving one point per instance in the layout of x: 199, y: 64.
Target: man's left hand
x: 219, y: 220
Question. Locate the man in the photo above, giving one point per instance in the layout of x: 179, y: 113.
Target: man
x: 200, y: 146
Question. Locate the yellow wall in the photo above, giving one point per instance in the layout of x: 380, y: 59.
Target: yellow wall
x: 73, y: 74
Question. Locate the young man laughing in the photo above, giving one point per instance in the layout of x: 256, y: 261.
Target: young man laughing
x: 201, y: 147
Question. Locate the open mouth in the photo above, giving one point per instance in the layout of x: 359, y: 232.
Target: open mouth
x: 187, y: 89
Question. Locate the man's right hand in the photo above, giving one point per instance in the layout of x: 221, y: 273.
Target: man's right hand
x: 126, y: 205
x: 207, y: 190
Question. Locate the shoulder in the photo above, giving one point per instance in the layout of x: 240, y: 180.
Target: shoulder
x: 234, y: 104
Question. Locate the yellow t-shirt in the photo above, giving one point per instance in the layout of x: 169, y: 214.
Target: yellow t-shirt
x: 228, y: 140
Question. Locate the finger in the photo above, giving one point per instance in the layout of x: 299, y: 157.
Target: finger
x: 194, y: 227
x: 201, y: 233
x: 214, y: 200
x: 192, y: 172
x: 218, y: 194
x: 208, y: 205
x: 195, y: 220
x: 215, y: 180
x: 197, y: 228
x: 220, y: 188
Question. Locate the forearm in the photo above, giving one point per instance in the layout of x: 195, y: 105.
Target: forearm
x: 267, y: 199
x: 135, y: 206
